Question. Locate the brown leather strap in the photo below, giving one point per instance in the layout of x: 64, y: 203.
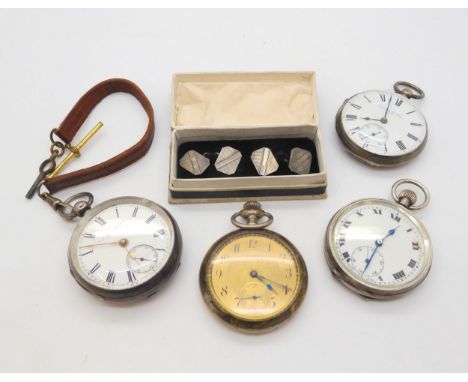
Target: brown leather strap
x: 73, y: 121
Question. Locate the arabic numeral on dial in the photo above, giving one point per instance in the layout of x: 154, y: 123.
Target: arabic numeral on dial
x: 252, y: 243
x: 224, y: 291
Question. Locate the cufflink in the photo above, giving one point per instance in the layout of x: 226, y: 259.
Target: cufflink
x: 300, y: 161
x: 228, y: 160
x: 194, y: 162
x: 264, y: 161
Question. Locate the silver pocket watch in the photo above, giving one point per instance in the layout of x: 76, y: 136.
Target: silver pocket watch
x: 124, y: 248
x: 383, y: 128
x: 376, y: 247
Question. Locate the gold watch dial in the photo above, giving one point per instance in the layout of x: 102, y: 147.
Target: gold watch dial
x: 254, y: 276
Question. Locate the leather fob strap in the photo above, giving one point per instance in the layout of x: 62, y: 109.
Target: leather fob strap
x: 75, y: 118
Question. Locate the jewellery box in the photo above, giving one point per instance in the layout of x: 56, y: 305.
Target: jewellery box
x: 246, y: 111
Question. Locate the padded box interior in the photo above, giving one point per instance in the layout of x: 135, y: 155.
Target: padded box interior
x: 281, y: 148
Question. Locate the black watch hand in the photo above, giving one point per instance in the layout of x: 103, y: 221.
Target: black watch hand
x: 384, y: 118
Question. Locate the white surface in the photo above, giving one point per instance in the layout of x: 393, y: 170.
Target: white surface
x: 48, y: 59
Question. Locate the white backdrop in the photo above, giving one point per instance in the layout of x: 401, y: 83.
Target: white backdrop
x: 48, y: 59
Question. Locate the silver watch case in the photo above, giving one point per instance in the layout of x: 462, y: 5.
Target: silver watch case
x: 367, y: 157
x: 359, y: 286
x: 150, y: 286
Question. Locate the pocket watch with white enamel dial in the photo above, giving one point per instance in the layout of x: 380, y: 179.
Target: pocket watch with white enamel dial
x: 124, y: 248
x: 383, y: 128
x: 253, y: 278
x: 376, y: 247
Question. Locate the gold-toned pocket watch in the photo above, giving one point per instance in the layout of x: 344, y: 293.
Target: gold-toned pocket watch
x: 383, y: 128
x: 253, y: 278
x: 376, y: 247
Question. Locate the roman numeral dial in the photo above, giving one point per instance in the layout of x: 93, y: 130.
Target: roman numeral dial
x: 378, y: 243
x: 123, y: 246
x: 382, y: 123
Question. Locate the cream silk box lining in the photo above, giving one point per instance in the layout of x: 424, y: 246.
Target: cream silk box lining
x: 252, y: 102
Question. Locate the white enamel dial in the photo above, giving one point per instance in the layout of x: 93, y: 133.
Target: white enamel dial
x: 123, y: 246
x: 380, y: 244
x: 383, y: 123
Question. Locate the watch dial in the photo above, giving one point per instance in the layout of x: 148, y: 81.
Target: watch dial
x: 379, y: 244
x: 383, y: 123
x: 123, y: 246
x: 254, y: 276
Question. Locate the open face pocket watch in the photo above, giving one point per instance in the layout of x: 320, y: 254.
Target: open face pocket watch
x: 253, y: 278
x: 124, y: 248
x: 382, y: 128
x: 376, y: 247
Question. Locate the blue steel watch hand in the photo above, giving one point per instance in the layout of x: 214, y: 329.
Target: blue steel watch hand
x: 262, y: 279
x: 378, y: 243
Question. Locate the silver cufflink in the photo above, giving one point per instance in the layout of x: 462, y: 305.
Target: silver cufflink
x: 300, y: 161
x: 228, y: 160
x: 194, y: 162
x: 264, y: 161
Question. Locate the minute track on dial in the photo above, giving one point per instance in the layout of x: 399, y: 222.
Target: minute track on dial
x: 406, y: 127
x: 123, y: 259
x: 377, y: 248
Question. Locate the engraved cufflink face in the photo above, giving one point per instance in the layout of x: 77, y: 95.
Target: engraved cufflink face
x: 300, y: 161
x: 264, y: 161
x: 194, y: 162
x: 228, y: 160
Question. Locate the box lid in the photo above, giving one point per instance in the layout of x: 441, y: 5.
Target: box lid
x: 244, y: 99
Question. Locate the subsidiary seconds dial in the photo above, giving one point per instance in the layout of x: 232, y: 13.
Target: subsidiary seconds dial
x: 382, y: 128
x: 377, y: 248
x: 124, y: 248
x: 378, y: 244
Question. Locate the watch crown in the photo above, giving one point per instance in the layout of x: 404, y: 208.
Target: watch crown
x: 251, y: 205
x: 407, y: 198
